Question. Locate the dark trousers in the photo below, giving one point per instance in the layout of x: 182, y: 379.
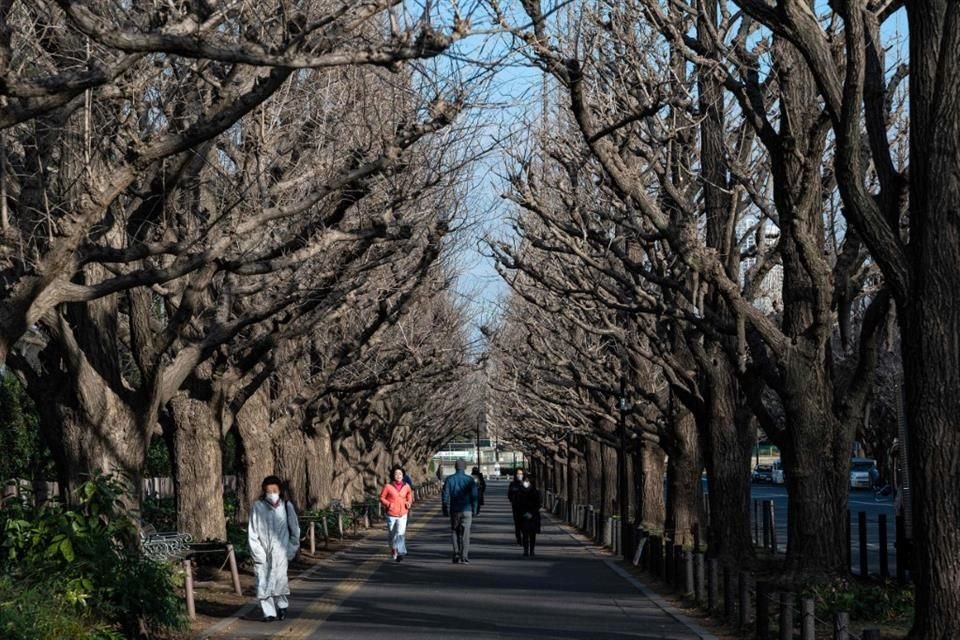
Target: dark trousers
x: 529, y: 540
x: 460, y: 524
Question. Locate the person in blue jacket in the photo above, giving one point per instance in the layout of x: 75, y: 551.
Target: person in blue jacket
x: 461, y: 498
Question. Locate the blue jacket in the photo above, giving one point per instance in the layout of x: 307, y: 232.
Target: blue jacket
x: 461, y: 493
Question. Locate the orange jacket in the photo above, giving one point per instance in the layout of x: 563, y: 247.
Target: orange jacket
x: 396, y: 501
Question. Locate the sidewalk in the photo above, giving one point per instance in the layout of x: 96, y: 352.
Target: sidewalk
x: 569, y: 591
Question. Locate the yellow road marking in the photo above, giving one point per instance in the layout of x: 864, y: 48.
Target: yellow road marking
x: 317, y: 612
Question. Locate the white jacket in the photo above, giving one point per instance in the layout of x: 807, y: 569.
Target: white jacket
x: 274, y: 537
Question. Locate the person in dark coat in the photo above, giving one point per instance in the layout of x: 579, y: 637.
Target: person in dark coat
x: 515, y: 486
x: 481, y: 483
x: 527, y: 502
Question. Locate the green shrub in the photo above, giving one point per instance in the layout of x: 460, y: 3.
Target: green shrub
x: 39, y: 613
x: 881, y: 603
x: 87, y: 559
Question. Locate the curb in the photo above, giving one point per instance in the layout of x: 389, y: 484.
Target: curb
x: 614, y: 566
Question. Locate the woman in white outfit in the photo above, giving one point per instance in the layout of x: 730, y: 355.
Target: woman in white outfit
x: 274, y: 537
x: 396, y: 498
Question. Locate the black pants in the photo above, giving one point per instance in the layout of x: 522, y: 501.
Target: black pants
x: 529, y: 541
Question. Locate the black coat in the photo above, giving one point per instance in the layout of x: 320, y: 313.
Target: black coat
x: 527, y: 501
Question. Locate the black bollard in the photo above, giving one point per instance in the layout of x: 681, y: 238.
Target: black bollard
x: 900, y: 544
x: 729, y: 596
x: 763, y: 611
x: 773, y: 529
x: 849, y: 544
x: 698, y: 578
x: 862, y: 537
x: 884, y: 559
x: 766, y: 523
x: 743, y: 610
x: 713, y: 586
x: 756, y: 522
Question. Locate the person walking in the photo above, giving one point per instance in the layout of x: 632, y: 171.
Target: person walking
x: 440, y: 472
x: 481, y: 484
x: 460, y: 499
x: 527, y: 503
x: 515, y: 486
x: 273, y: 535
x: 397, y: 498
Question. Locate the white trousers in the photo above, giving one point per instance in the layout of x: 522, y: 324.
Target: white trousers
x: 271, y: 604
x: 397, y: 530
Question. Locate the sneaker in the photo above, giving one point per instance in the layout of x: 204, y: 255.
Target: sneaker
x: 456, y: 559
x: 398, y: 558
x: 464, y: 561
x: 270, y: 618
x: 281, y: 613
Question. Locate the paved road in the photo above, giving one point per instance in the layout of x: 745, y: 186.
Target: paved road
x: 859, y: 500
x: 568, y: 592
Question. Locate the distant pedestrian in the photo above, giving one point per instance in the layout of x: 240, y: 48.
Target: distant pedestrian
x: 397, y: 498
x: 527, y: 503
x: 273, y: 535
x: 512, y: 491
x: 874, y: 477
x: 440, y: 471
x: 460, y: 503
x: 481, y: 483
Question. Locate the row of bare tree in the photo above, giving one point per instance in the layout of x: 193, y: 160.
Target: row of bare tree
x: 224, y: 216
x: 733, y: 215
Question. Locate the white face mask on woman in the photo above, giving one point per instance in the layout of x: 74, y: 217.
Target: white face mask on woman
x: 273, y: 498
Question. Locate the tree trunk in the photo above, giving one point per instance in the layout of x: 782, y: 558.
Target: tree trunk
x: 931, y: 320
x: 198, y: 465
x: 684, y: 467
x: 651, y: 503
x: 594, y: 479
x: 256, y: 456
x: 289, y: 452
x: 728, y: 437
x: 609, y: 481
x: 816, y: 461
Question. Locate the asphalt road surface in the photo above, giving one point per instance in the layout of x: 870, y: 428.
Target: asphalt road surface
x: 859, y: 500
x: 569, y: 591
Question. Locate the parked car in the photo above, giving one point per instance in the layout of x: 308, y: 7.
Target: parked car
x: 762, y: 473
x: 862, y: 471
x: 776, y: 472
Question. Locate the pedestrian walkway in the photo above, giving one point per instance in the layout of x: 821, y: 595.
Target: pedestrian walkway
x: 568, y: 591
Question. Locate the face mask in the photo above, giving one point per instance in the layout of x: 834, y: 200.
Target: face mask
x: 526, y: 484
x: 273, y: 498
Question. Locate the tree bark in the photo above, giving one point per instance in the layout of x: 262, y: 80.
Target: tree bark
x: 931, y: 319
x: 256, y: 457
x: 289, y: 452
x: 684, y: 468
x: 198, y: 464
x: 651, y: 501
x: 728, y: 437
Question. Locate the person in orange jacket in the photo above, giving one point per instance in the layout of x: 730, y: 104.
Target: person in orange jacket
x: 397, y: 498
